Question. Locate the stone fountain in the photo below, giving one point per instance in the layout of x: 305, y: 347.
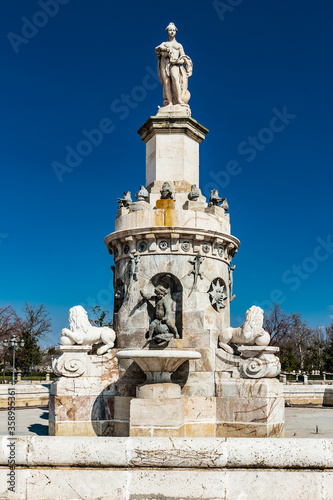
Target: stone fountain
x: 172, y: 365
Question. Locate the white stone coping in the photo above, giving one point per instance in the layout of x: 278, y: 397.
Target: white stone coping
x: 166, y: 453
x: 158, y: 353
x: 309, y: 388
x: 24, y: 389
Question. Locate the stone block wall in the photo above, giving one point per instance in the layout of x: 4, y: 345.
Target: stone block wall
x: 249, y: 408
x: 87, y: 404
x: 299, y: 394
x: 26, y: 395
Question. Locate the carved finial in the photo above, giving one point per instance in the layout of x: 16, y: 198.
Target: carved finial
x: 194, y: 194
x: 142, y: 195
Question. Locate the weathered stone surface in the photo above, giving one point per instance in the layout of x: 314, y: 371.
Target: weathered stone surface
x: 157, y: 413
x: 249, y: 408
x: 189, y: 453
x: 206, y: 484
x: 238, y: 429
x: 199, y: 384
x: 245, y: 388
x: 158, y: 391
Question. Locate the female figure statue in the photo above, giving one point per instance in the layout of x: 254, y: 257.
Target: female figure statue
x: 174, y: 69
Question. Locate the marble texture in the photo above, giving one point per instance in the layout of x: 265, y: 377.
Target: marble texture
x: 83, y: 400
x: 253, y: 408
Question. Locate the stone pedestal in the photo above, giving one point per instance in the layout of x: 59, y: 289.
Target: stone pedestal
x: 83, y: 400
x: 181, y: 417
x: 249, y: 408
x: 172, y: 148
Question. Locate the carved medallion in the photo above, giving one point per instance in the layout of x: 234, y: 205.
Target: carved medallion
x: 185, y: 246
x: 221, y: 251
x: 163, y: 245
x: 217, y: 295
x: 142, y: 246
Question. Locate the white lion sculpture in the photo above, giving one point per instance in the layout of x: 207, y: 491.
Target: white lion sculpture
x: 251, y: 333
x: 83, y: 333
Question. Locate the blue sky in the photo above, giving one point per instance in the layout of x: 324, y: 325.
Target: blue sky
x: 254, y: 60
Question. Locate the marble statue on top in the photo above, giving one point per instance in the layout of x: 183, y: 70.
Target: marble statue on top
x: 174, y: 70
x: 81, y: 332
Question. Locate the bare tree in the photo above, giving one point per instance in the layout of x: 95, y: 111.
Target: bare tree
x: 36, y: 321
x: 300, y: 336
x: 278, y: 324
x: 8, y: 321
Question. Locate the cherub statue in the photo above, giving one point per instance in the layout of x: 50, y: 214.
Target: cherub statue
x: 174, y: 69
x: 164, y: 314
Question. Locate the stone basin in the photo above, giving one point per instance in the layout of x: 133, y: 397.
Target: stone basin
x: 158, y: 366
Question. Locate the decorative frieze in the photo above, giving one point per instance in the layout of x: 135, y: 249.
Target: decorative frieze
x: 160, y: 242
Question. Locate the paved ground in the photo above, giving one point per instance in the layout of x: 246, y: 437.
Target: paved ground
x: 300, y: 422
x: 27, y: 421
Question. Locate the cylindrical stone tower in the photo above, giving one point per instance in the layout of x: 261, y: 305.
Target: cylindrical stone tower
x: 181, y: 243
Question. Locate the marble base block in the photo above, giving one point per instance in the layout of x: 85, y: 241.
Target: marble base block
x: 249, y: 408
x: 183, y: 417
x: 84, y: 399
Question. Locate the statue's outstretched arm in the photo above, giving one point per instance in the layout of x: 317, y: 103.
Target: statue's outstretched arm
x: 146, y: 295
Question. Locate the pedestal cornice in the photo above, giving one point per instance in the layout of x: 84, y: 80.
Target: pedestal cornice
x: 172, y: 125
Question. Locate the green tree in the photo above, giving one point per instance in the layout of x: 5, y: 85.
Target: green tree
x: 328, y: 350
x: 32, y: 328
x: 101, y: 318
x: 314, y: 357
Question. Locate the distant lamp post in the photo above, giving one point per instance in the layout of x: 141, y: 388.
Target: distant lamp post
x: 5, y: 347
x: 14, y: 345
